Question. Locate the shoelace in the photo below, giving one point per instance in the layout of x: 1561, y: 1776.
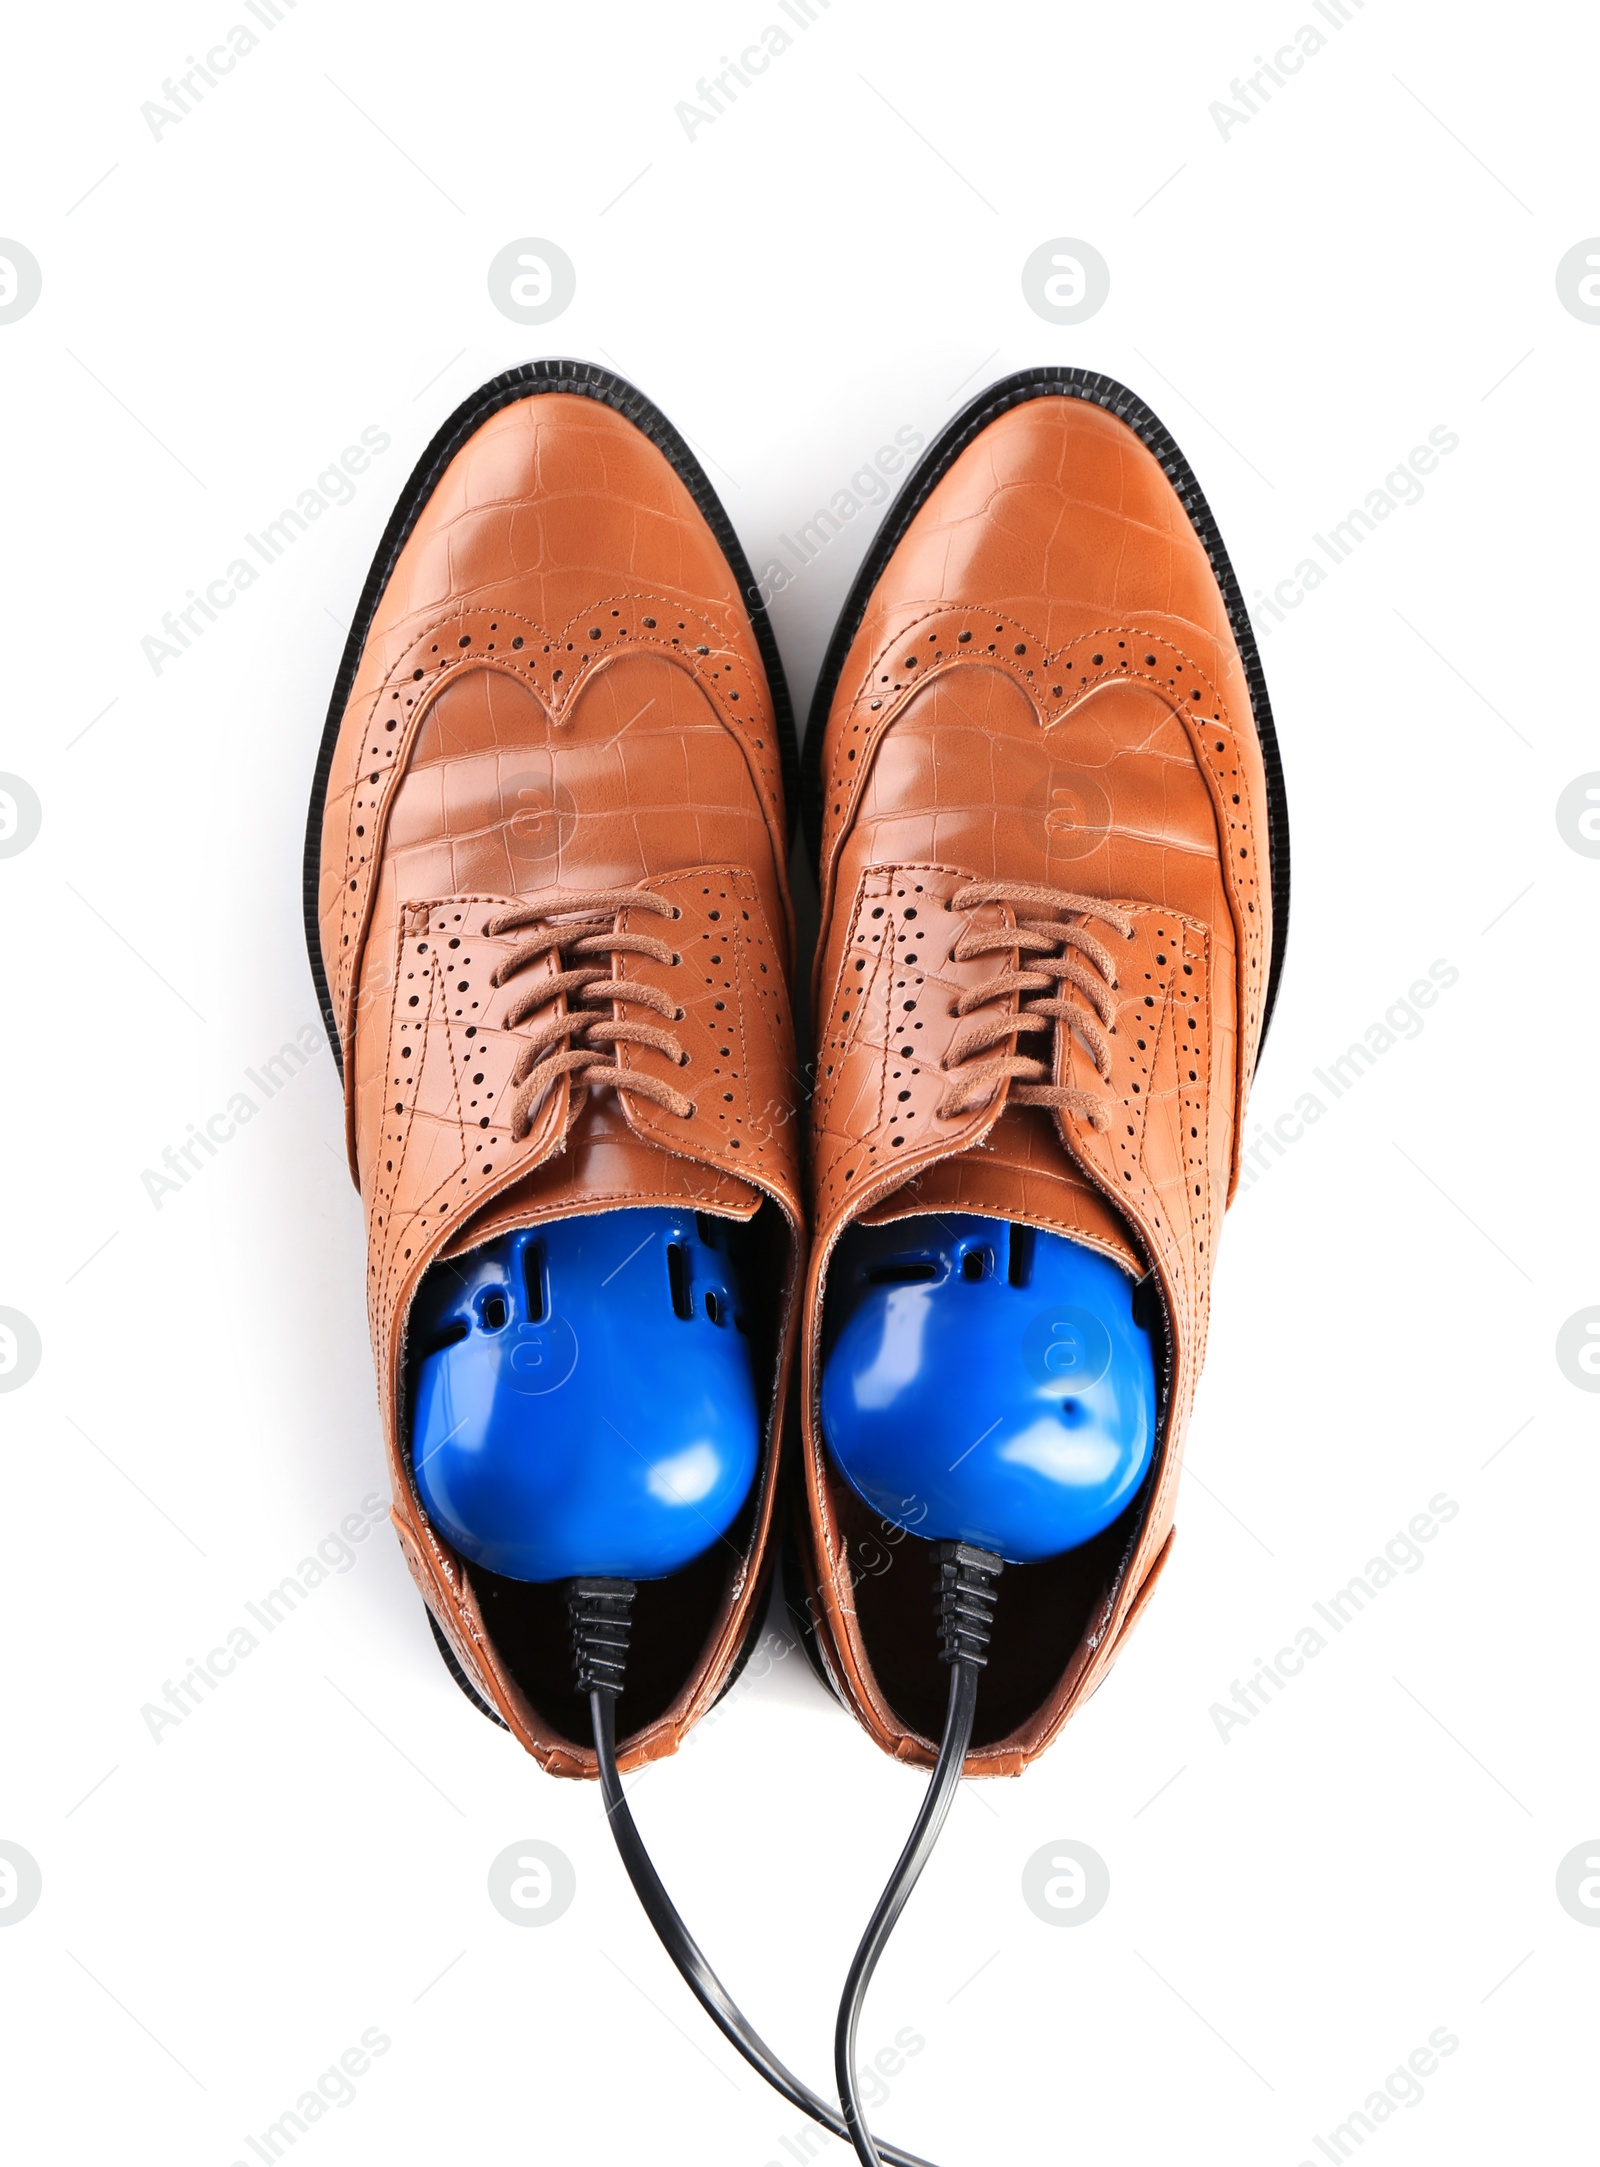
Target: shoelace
x: 1051, y: 957
x: 590, y: 990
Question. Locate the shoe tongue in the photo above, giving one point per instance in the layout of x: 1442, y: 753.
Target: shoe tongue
x: 1020, y: 1172
x: 605, y: 1167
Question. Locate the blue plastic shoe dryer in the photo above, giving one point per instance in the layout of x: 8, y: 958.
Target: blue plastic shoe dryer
x: 987, y: 1384
x: 585, y: 1402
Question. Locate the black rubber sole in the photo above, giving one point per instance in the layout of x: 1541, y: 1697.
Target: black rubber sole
x: 1103, y: 391
x: 454, y: 1668
x: 582, y: 379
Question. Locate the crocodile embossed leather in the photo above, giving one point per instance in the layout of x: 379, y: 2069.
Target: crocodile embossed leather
x: 553, y: 933
x: 1045, y: 793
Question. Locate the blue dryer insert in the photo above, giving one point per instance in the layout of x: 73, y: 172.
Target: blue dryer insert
x: 986, y: 1383
x: 584, y: 1397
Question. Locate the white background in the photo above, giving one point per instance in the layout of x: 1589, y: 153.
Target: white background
x: 1292, y: 1911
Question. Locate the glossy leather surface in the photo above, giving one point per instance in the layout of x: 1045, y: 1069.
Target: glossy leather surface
x: 1043, y: 689
x: 560, y: 692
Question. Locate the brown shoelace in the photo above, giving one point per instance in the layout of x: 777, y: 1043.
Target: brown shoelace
x: 590, y: 989
x: 1051, y: 950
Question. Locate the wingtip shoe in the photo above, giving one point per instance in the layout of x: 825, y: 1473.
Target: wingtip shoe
x: 1043, y: 788
x: 549, y: 921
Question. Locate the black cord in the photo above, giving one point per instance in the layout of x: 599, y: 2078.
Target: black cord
x: 966, y: 1611
x: 598, y: 1611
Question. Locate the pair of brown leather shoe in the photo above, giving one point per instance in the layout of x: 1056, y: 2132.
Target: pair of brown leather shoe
x: 1042, y: 790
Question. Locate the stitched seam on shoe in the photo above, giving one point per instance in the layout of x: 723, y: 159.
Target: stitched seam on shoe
x: 384, y: 1334
x: 555, y: 700
x: 1252, y: 951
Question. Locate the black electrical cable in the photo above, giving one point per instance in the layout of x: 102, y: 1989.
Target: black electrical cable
x: 599, y: 1611
x: 966, y: 1610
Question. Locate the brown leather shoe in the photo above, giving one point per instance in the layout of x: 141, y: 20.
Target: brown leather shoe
x: 1041, y: 737
x: 561, y: 712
